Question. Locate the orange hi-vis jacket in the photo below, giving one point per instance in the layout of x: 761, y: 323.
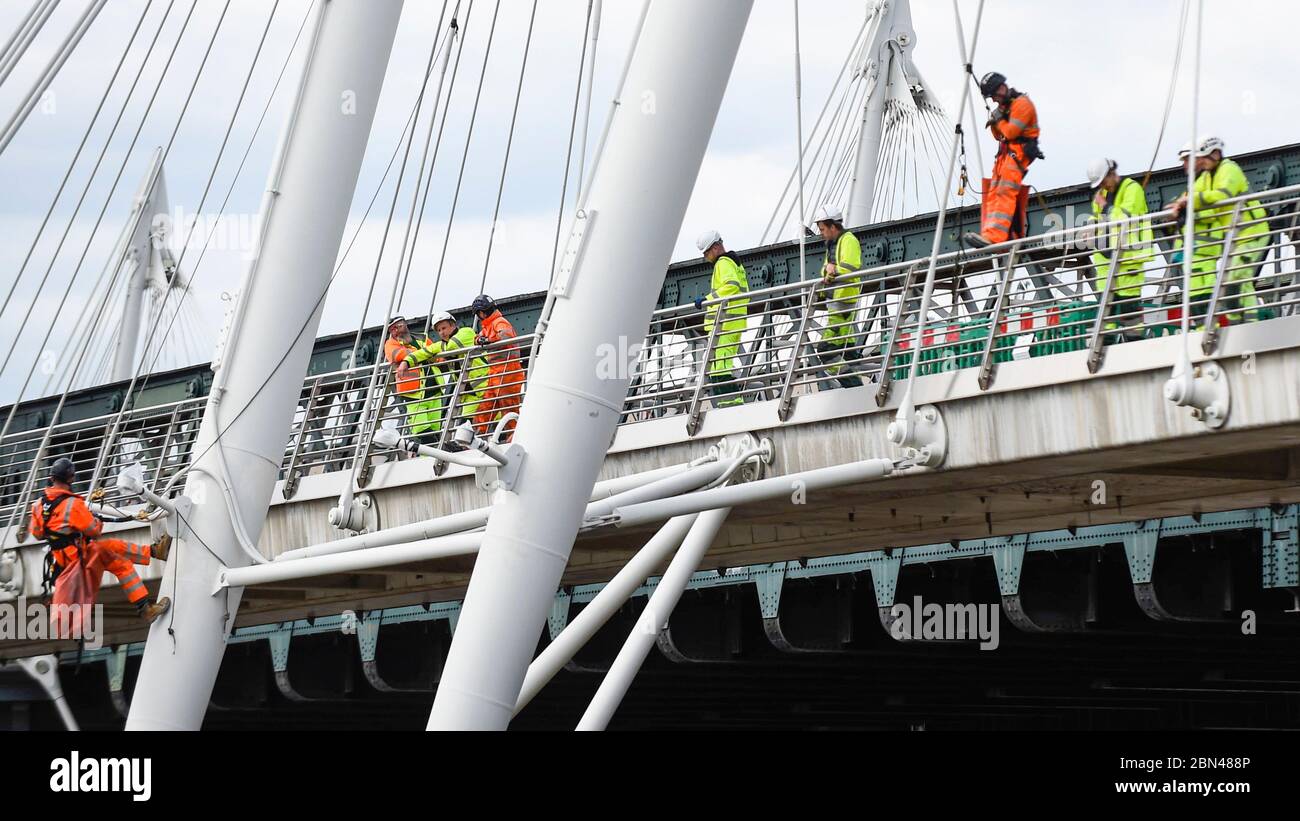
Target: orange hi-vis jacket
x: 63, y: 519
x: 412, y: 385
x: 1021, y: 122
x: 496, y: 328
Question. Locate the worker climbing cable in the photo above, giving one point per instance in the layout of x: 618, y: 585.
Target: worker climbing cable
x: 729, y: 282
x: 79, y: 555
x: 1014, y: 124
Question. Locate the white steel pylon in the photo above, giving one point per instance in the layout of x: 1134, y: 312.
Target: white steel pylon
x: 259, y: 371
x: 151, y: 266
x: 605, y: 291
x: 894, y: 88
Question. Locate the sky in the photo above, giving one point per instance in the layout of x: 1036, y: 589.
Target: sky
x: 1098, y: 72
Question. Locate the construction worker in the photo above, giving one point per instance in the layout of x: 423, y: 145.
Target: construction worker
x: 423, y: 404
x: 1014, y: 125
x: 842, y: 288
x: 1120, y: 198
x: 505, y: 384
x: 1218, y: 179
x: 447, y: 353
x: 731, y: 283
x: 79, y: 555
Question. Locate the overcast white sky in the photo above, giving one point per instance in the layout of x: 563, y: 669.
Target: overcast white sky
x: 1097, y: 71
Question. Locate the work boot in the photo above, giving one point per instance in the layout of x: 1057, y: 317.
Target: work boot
x: 975, y: 239
x: 150, y: 612
x: 159, y: 549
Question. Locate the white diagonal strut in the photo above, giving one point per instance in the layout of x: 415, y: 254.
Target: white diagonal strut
x: 633, y: 215
x: 251, y: 406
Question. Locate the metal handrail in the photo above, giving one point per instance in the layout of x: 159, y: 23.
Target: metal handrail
x: 1029, y: 305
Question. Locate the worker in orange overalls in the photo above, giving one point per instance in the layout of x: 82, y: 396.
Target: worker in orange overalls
x: 1014, y: 124
x: 505, y: 383
x: 80, y: 556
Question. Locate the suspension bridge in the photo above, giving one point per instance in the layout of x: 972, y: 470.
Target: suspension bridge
x: 1007, y: 446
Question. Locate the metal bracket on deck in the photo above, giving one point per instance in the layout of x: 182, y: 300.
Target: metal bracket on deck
x: 582, y: 222
x: 923, y: 437
x: 1205, y: 390
x: 11, y: 575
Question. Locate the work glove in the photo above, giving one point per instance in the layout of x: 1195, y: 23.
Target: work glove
x: 481, y: 340
x: 96, y: 495
x: 998, y: 115
x: 699, y: 303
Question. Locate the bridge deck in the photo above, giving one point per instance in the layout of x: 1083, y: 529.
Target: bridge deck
x: 1042, y: 400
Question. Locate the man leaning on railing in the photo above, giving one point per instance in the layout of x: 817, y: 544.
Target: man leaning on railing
x: 1219, y: 179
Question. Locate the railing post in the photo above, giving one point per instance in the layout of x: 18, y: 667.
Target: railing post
x: 882, y: 392
x: 166, y: 443
x: 367, y: 430
x: 694, y: 412
x: 786, y: 407
x: 986, y: 359
x: 28, y: 484
x: 1210, y: 335
x: 449, y: 415
x: 291, y: 473
x: 105, y: 448
x: 1095, y: 341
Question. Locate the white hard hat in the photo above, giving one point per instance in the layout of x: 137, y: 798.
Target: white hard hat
x: 441, y: 316
x: 1205, y: 146
x: 828, y: 213
x: 706, y: 240
x: 1098, y: 170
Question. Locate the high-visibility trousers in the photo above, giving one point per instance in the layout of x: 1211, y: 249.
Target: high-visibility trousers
x: 504, y: 392
x: 423, y: 415
x: 116, y: 557
x: 119, y: 559
x: 839, y: 330
x: 1003, y: 196
x: 722, y: 361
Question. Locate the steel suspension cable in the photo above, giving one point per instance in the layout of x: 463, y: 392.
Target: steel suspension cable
x: 156, y: 323
x: 392, y: 206
x: 85, y: 137
x: 80, y: 358
x: 848, y: 60
x: 906, y: 408
x: 24, y: 40
x: 510, y: 139
x: 235, y: 179
x: 81, y: 200
x: 51, y: 71
x: 469, y: 137
x: 406, y: 257
x: 568, y: 154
